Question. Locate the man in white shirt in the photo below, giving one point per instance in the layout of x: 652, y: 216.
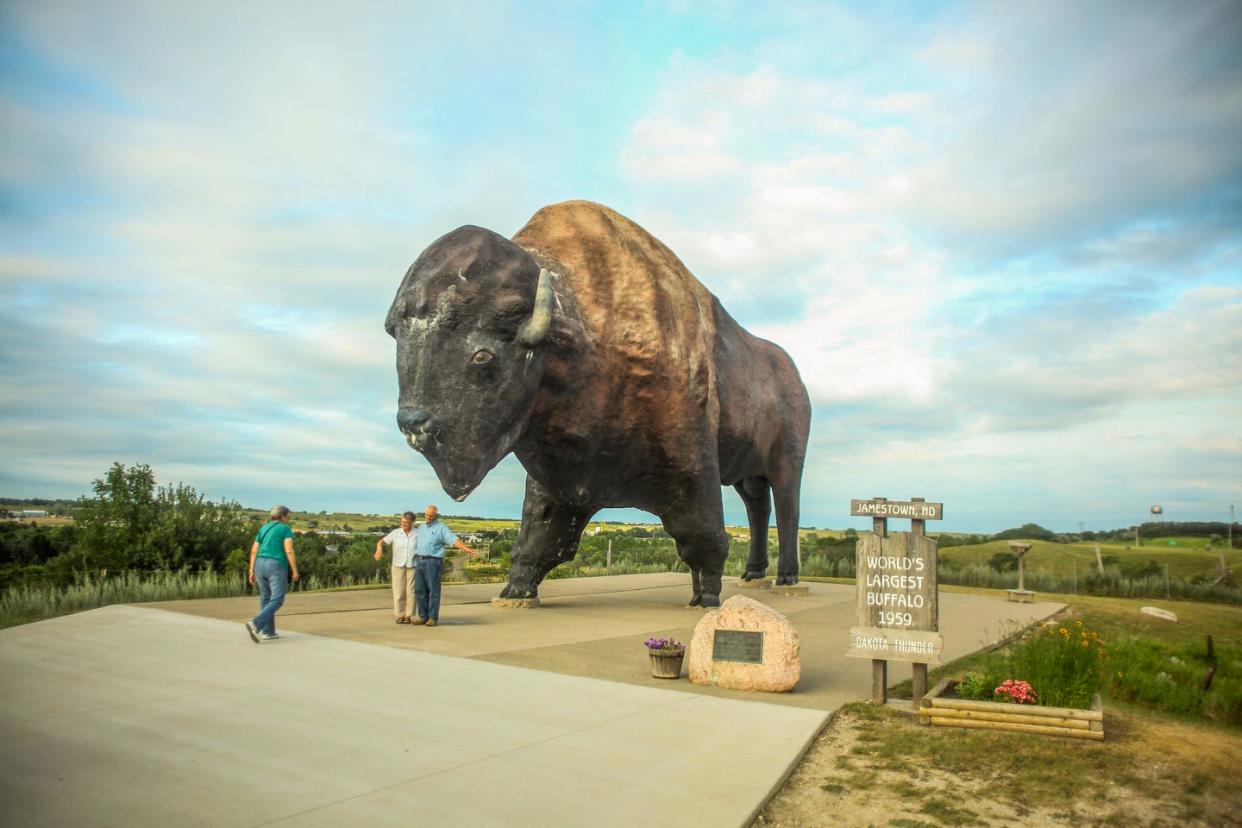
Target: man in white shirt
x: 402, y: 541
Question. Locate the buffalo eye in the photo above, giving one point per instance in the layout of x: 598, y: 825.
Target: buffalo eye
x: 481, y: 356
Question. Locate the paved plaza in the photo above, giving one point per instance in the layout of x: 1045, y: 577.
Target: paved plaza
x: 167, y: 714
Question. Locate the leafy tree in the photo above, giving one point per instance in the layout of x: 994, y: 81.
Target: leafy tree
x: 131, y: 523
x: 1029, y: 531
x: 1004, y: 562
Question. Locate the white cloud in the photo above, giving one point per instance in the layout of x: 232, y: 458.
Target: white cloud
x: 1000, y: 240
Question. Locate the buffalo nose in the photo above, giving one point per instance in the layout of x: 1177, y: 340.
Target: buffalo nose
x: 410, y: 420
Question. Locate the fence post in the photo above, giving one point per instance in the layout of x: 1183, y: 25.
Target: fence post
x: 879, y: 666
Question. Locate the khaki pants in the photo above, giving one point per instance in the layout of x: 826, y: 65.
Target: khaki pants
x: 402, y: 591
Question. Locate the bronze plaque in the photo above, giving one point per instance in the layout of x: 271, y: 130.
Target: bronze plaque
x: 738, y: 645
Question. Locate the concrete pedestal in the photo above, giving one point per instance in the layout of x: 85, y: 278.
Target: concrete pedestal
x: 515, y: 603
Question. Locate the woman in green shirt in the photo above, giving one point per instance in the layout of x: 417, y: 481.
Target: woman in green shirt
x: 271, y: 559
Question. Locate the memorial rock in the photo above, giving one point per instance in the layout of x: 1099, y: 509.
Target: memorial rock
x: 745, y: 645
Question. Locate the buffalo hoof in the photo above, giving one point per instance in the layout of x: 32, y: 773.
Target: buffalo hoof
x: 695, y: 601
x: 786, y: 580
x: 710, y: 600
x: 511, y: 591
x: 752, y: 575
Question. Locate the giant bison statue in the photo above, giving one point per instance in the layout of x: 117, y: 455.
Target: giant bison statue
x: 585, y: 347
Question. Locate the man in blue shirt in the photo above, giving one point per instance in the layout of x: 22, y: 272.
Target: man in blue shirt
x: 433, y: 536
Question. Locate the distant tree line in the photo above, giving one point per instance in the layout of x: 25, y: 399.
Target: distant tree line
x: 130, y: 524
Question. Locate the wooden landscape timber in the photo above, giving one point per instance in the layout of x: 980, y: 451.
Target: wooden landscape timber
x: 937, y: 710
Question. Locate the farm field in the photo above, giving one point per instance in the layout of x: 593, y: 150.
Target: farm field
x: 1187, y: 557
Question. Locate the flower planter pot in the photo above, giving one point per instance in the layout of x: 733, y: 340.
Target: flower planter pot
x: 940, y: 710
x: 666, y: 665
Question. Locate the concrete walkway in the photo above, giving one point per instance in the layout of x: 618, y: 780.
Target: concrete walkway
x: 136, y: 715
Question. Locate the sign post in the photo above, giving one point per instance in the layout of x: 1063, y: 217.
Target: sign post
x: 898, y: 598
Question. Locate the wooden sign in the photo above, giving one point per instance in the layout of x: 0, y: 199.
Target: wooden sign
x: 742, y: 646
x: 910, y: 509
x: 898, y: 604
x: 896, y: 645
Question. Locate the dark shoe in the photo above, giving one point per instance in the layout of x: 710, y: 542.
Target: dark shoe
x: 254, y: 632
x: 431, y: 622
x: 419, y: 621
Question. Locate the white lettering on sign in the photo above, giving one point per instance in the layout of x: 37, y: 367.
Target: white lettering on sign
x: 896, y: 581
x: 898, y: 645
x: 897, y: 590
x: 895, y: 599
x: 895, y: 645
x: 870, y: 642
x: 889, y: 562
x: 903, y: 646
x: 914, y: 510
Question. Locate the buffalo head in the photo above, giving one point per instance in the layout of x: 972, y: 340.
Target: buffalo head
x: 467, y: 319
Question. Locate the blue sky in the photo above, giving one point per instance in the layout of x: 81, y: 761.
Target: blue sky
x: 1002, y: 243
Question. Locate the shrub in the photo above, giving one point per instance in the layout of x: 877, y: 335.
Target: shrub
x: 979, y: 686
x: 1061, y: 662
x: 1004, y: 562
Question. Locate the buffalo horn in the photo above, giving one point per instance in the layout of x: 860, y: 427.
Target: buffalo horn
x: 534, y: 328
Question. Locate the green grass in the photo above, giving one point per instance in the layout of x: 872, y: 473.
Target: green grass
x: 947, y: 777
x: 22, y: 604
x: 1023, y: 768
x: 1139, y: 648
x: 1187, y: 558
x: 948, y: 812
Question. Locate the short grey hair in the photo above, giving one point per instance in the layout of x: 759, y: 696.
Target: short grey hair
x: 279, y: 512
x: 410, y: 516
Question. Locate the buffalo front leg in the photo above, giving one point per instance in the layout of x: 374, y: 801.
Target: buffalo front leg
x: 549, y: 536
x: 757, y: 496
x: 698, y: 527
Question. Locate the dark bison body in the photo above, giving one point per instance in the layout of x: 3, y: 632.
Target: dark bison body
x: 586, y: 348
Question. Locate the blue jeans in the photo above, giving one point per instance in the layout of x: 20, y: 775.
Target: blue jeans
x: 272, y: 577
x: 427, y: 587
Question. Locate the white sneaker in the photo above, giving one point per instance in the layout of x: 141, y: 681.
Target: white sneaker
x: 269, y: 637
x: 254, y: 632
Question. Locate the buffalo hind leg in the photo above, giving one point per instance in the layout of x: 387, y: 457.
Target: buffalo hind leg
x: 757, y: 496
x: 549, y: 536
x: 786, y: 497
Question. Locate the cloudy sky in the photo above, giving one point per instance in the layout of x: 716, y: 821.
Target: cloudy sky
x: 1003, y: 243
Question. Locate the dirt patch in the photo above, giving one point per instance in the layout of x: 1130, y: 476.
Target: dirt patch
x: 878, y: 767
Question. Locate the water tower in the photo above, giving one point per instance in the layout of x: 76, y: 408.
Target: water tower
x: 1157, y: 513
